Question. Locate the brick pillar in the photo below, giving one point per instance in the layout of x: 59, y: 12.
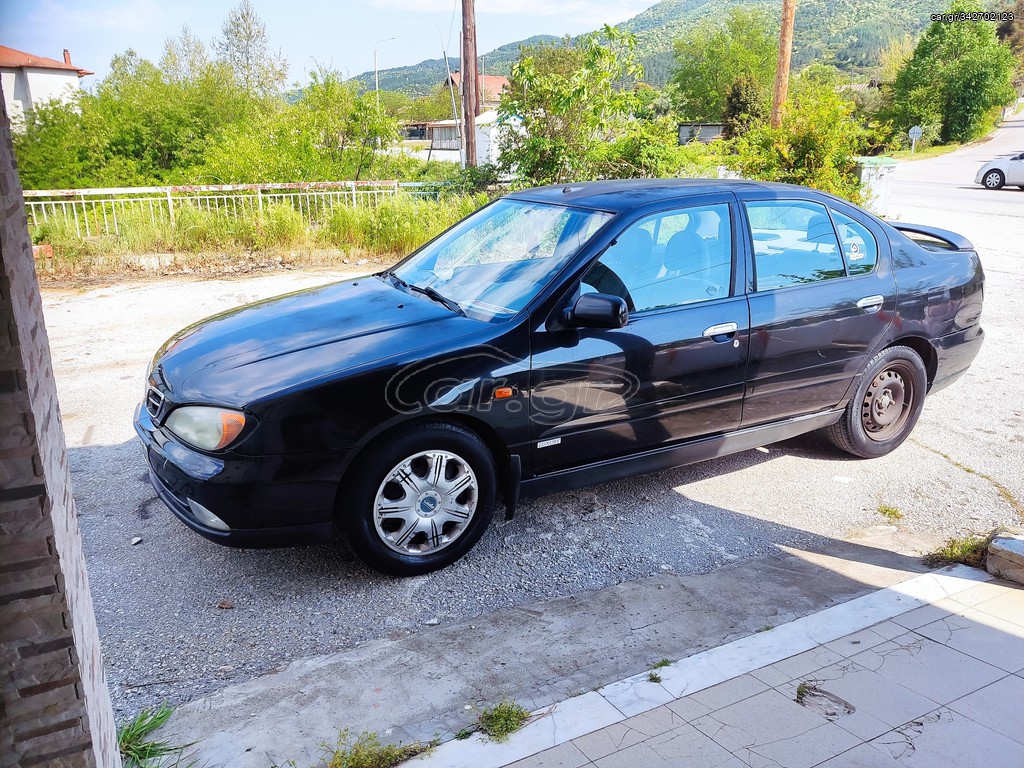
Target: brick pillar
x: 54, y: 703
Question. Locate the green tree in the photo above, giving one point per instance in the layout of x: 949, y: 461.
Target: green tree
x: 244, y: 46
x: 958, y: 74
x: 567, y: 99
x: 816, y: 144
x: 713, y: 54
x: 746, y: 106
x: 185, y: 57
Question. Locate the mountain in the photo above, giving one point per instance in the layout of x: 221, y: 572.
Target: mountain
x: 847, y: 33
x: 423, y: 78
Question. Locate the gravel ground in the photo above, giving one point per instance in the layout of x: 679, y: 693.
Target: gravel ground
x: 165, y: 638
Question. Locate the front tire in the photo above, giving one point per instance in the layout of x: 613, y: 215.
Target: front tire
x: 993, y: 179
x: 419, y: 499
x: 885, y: 407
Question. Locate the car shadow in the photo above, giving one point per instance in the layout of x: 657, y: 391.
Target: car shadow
x: 181, y: 617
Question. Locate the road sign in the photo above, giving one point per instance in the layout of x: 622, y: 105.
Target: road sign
x: 915, y: 135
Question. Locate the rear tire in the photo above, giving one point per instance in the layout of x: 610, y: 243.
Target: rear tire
x: 993, y: 179
x: 419, y: 498
x: 885, y: 407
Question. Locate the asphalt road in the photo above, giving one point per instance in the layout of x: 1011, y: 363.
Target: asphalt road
x: 165, y: 637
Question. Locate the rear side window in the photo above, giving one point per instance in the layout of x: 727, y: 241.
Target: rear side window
x: 860, y: 249
x: 794, y: 243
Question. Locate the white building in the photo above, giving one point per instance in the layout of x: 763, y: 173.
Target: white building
x: 29, y: 80
x: 445, y: 135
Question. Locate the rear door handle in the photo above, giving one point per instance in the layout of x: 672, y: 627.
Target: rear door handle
x: 722, y: 329
x: 871, y: 303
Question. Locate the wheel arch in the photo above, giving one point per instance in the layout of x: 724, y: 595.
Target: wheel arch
x: 506, y: 474
x: 924, y: 350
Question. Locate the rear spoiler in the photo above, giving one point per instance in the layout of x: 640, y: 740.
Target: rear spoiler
x: 959, y: 242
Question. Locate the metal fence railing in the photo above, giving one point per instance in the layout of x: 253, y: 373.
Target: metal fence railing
x: 106, y: 211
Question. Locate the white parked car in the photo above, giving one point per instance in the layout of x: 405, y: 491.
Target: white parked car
x: 1004, y: 170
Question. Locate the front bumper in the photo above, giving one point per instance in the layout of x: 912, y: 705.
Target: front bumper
x: 263, y: 501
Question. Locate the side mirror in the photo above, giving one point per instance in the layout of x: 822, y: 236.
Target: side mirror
x: 598, y: 310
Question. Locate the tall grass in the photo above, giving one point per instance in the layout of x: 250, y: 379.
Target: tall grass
x: 392, y: 228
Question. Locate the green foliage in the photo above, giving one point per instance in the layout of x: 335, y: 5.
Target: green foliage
x: 137, y: 749
x: 367, y: 751
x: 968, y: 550
x: 650, y: 149
x: 746, y: 106
x: 244, y: 46
x: 959, y: 72
x: 715, y: 54
x: 503, y: 719
x: 567, y: 101
x: 816, y: 144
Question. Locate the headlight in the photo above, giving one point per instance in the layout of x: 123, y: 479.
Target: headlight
x: 204, y: 427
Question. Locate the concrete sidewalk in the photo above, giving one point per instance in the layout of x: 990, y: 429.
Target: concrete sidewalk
x: 927, y: 672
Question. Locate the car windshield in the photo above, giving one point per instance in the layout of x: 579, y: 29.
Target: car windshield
x: 493, y: 263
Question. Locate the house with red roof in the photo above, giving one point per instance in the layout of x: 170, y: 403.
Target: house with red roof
x: 28, y: 79
x: 489, y: 88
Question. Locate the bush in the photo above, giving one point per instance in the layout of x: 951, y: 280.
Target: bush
x: 815, y: 146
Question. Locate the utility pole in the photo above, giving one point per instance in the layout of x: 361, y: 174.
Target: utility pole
x: 470, y: 101
x: 785, y: 52
x: 376, y: 75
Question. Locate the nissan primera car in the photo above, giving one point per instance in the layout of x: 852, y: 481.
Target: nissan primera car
x: 557, y: 337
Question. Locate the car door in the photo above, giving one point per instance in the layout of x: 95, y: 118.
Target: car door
x: 1015, y: 170
x: 675, y: 371
x: 822, y: 297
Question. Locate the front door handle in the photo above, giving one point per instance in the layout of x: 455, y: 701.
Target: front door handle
x: 722, y: 329
x: 871, y: 303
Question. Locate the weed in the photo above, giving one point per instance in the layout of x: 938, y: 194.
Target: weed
x: 366, y: 751
x: 889, y: 511
x: 465, y: 733
x: 137, y: 750
x: 662, y: 663
x: 969, y: 550
x: 653, y: 677
x: 802, y: 690
x: 503, y: 719
x: 765, y: 628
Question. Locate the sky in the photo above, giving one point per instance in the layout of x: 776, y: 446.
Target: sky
x: 339, y: 35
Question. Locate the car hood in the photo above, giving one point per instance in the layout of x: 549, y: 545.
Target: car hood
x: 261, y: 349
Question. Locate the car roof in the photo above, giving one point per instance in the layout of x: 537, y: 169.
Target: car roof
x: 625, y: 194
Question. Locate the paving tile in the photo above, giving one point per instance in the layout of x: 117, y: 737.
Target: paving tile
x: 862, y: 756
x: 928, y: 668
x: 729, y: 692
x: 1008, y: 606
x: 918, y: 617
x: 859, y: 641
x: 655, y: 722
x: 562, y: 756
x: 687, y: 708
x: 888, y: 629
x: 999, y: 706
x: 946, y: 738
x: 805, y: 663
x: 771, y: 676
x: 983, y: 592
x: 635, y: 694
x: 981, y: 635
x: 769, y: 729
x: 683, y: 746
x: 608, y: 740
x: 879, y: 704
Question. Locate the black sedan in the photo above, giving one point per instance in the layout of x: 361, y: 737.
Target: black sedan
x: 555, y: 338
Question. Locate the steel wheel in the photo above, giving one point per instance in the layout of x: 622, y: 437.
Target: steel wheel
x: 888, y: 402
x: 886, y: 405
x: 425, y: 503
x: 993, y: 180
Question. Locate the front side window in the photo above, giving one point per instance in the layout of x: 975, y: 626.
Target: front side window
x: 794, y: 243
x: 669, y: 259
x: 860, y: 249
x: 497, y: 260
